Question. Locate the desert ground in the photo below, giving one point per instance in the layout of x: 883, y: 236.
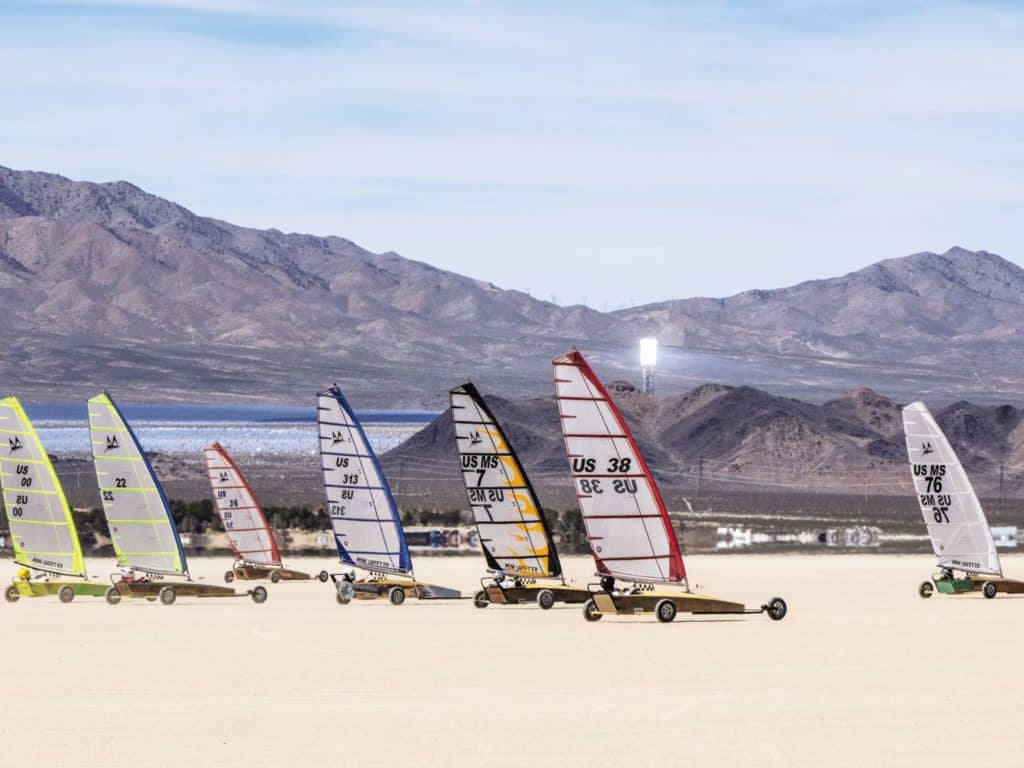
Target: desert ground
x: 861, y: 673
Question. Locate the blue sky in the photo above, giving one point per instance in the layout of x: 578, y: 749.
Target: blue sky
x: 614, y: 152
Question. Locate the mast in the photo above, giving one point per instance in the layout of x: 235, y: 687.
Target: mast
x: 364, y: 517
x: 956, y: 522
x: 628, y: 527
x: 142, y: 528
x: 514, y: 532
x: 42, y: 527
x: 244, y: 520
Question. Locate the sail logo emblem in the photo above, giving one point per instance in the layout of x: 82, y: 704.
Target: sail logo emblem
x: 475, y: 438
x: 223, y: 477
x: 337, y: 437
x: 112, y: 444
x: 926, y: 448
x: 15, y: 443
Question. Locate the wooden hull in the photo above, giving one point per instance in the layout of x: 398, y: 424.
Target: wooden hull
x: 247, y: 572
x: 167, y: 592
x: 665, y: 605
x: 395, y: 590
x: 497, y: 595
x: 973, y: 583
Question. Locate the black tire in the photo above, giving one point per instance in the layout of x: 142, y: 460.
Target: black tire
x: 66, y: 593
x: 112, y: 596
x: 168, y: 595
x: 229, y: 576
x: 396, y: 595
x: 323, y: 576
x: 275, y: 577
x: 11, y: 594
x: 665, y: 610
x: 926, y: 589
x: 343, y: 592
x: 480, y: 599
x: 545, y: 599
x: 259, y: 595
x: 590, y: 612
x: 777, y: 609
x: 989, y: 589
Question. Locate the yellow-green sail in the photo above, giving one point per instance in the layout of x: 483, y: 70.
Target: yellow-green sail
x: 42, y: 529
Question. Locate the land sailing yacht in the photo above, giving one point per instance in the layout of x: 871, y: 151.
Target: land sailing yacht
x: 142, y: 530
x: 43, y: 530
x: 364, y: 517
x: 250, y: 535
x: 956, y: 523
x: 631, y: 536
x: 514, y: 534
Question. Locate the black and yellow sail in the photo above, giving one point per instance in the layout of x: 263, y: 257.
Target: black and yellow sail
x: 513, y: 532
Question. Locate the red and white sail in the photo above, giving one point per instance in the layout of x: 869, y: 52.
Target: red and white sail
x: 628, y: 527
x: 241, y: 514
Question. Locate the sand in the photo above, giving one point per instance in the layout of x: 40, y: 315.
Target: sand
x: 861, y: 673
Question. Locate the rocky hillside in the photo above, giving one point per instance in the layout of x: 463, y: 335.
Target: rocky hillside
x: 107, y: 285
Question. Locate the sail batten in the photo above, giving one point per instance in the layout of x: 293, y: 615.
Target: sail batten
x: 42, y: 527
x: 358, y: 501
x: 244, y: 521
x: 142, y: 529
x: 628, y: 527
x: 514, y: 533
x: 956, y: 522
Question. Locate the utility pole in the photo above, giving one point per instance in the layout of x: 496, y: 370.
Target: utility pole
x: 700, y: 474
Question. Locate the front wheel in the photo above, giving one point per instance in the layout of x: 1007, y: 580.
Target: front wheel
x: 480, y: 599
x: 112, y: 596
x: 344, y: 592
x: 665, y: 610
x: 66, y: 594
x: 323, y: 576
x: 777, y: 609
x: 590, y: 612
x: 11, y: 594
x: 229, y: 576
x: 168, y: 595
x: 397, y: 595
x: 259, y: 595
x: 989, y: 590
x: 926, y: 589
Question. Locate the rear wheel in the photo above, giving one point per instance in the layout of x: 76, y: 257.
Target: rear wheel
x: 112, y: 596
x: 229, y: 576
x: 665, y: 610
x: 66, y: 594
x: 168, y: 595
x: 989, y: 590
x: 397, y: 595
x: 344, y: 592
x: 777, y: 609
x: 545, y: 598
x: 259, y: 595
x: 323, y: 576
x: 275, y: 577
x: 11, y: 594
x: 480, y: 599
x: 926, y: 589
x: 590, y: 612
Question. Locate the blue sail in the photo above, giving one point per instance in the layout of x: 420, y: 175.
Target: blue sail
x: 365, y: 520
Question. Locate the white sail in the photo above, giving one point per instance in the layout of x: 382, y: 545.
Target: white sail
x: 141, y: 527
x: 628, y: 527
x: 952, y: 513
x: 513, y: 531
x: 42, y: 529
x: 363, y: 514
x: 241, y: 514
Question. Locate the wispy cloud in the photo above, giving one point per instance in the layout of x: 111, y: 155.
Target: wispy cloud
x: 579, y: 149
